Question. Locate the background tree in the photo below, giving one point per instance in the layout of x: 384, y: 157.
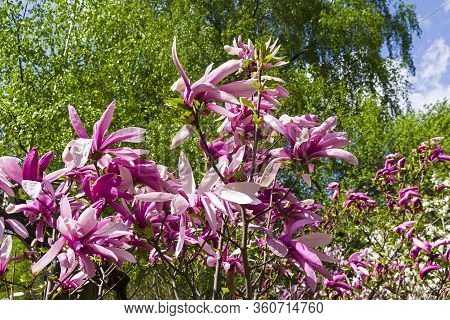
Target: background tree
x: 85, y: 53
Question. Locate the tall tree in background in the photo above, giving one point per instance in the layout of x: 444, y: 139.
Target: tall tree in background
x: 88, y: 52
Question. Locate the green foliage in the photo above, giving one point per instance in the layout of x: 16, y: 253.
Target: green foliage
x: 58, y: 52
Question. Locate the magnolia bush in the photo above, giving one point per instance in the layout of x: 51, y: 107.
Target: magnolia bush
x: 403, y: 237
x: 110, y: 214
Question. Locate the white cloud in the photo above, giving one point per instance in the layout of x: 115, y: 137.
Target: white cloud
x: 420, y: 99
x: 447, y: 6
x: 434, y: 62
x: 427, y: 82
x: 425, y: 24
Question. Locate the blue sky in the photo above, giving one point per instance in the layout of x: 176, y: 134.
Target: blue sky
x: 431, y: 53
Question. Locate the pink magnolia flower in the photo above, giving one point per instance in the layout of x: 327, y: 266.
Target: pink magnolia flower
x: 403, y: 227
x: 31, y: 176
x: 409, y: 198
x: 335, y: 187
x: 67, y: 278
x: 307, y: 142
x: 210, y: 196
x: 248, y: 52
x: 230, y: 261
x: 357, y: 263
x: 302, y: 250
x: 77, y: 151
x: 360, y: 200
x: 243, y: 51
x: 88, y: 236
x: 205, y: 89
x: 41, y: 208
x: 420, y: 245
x: 338, y: 284
x: 427, y: 269
x: 392, y: 166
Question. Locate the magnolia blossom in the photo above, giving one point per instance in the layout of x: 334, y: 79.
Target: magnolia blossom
x: 247, y: 51
x: 308, y: 142
x: 210, y: 195
x: 409, y: 198
x: 335, y: 187
x: 87, y: 235
x: 205, y: 89
x: 402, y: 227
x: 77, y: 151
x: 360, y: 200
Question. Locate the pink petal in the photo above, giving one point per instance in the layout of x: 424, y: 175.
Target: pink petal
x: 5, y: 185
x: 210, y: 214
x: 270, y: 173
x: 243, y: 88
x: 49, y: 256
x: 155, y: 197
x: 324, y: 257
x: 248, y: 188
x: 18, y: 228
x: 112, y: 230
x: 336, y: 153
x: 178, y: 64
x: 2, y: 228
x: 206, y: 247
x: 220, y: 96
x: 52, y: 177
x: 178, y: 85
x: 31, y: 165
x: 311, y: 278
x: 234, y: 196
x: 32, y: 188
x: 218, y: 74
x: 307, y: 178
x: 10, y: 166
x: 237, y: 159
x: 131, y: 134
x: 87, y: 220
x: 102, y: 125
x: 76, y: 153
x: 220, y: 110
x: 65, y: 209
x: 103, y: 252
x: 184, y: 133
x: 315, y: 239
x: 325, y: 127
x: 178, y: 205
x: 186, y: 174
x: 44, y: 161
x: 299, y: 223
x: 87, y: 265
x: 181, y: 236
x: 235, y: 51
x: 216, y: 201
x: 423, y: 273
x: 277, y: 247
x: 209, y: 181
x: 123, y: 255
x: 307, y: 254
x: 276, y: 124
x: 11, y: 208
x: 6, y: 248
x: 76, y: 123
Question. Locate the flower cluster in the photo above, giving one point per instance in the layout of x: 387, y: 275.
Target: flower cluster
x: 410, y: 259
x: 109, y: 205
